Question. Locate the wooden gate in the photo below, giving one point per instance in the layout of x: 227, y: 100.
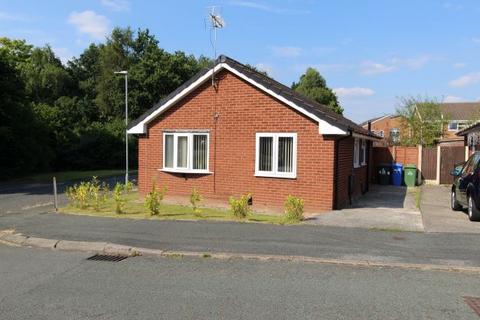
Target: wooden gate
x: 449, y: 156
x: 429, y: 163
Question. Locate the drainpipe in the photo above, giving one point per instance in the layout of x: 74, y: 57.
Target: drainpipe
x: 335, y: 170
x: 369, y: 145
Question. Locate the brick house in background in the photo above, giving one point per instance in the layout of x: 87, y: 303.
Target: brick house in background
x: 387, y: 127
x: 231, y: 130
x: 459, y: 115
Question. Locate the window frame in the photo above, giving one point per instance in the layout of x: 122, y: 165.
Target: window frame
x: 363, y: 149
x: 356, y: 152
x: 453, y: 122
x: 190, y: 154
x: 274, y: 173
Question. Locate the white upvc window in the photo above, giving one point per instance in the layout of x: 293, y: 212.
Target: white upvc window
x: 359, y: 152
x: 185, y: 152
x: 363, y: 155
x: 452, y: 126
x: 356, y: 153
x: 276, y: 155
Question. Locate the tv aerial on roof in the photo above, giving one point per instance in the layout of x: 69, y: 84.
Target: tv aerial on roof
x: 216, y: 22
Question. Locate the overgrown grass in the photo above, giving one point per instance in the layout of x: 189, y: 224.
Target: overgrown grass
x: 418, y: 195
x: 63, y: 176
x: 135, y: 209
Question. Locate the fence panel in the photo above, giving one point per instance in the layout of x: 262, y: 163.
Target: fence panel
x: 429, y: 163
x: 449, y: 156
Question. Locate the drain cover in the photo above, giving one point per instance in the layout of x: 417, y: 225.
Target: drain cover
x: 107, y: 257
x: 398, y: 238
x: 474, y: 303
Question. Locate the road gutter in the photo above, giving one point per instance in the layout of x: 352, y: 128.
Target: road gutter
x: 10, y: 238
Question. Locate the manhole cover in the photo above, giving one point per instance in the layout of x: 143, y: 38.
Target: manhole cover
x: 398, y: 238
x: 474, y: 303
x: 107, y: 257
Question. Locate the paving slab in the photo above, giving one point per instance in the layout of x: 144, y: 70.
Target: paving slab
x: 383, y: 207
x: 439, y: 217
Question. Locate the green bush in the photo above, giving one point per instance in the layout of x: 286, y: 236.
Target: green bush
x: 79, y: 194
x: 154, y: 199
x: 88, y: 194
x: 294, y: 209
x: 118, y: 197
x: 195, y: 199
x: 240, y: 207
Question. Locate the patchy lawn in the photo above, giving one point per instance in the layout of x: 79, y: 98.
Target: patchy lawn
x: 63, y: 176
x: 135, y: 209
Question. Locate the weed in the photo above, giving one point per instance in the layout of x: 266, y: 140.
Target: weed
x: 239, y: 207
x: 294, y: 209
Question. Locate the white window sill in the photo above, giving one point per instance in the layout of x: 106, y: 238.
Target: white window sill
x: 275, y: 175
x: 185, y: 171
x: 357, y: 166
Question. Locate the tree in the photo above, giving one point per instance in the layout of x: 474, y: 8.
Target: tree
x: 422, y: 121
x: 24, y: 144
x: 314, y: 86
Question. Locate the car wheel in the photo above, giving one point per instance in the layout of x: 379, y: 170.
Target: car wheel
x: 473, y: 212
x: 454, y: 203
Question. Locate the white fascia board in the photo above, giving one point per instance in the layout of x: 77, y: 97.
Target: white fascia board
x: 365, y: 137
x: 141, y: 127
x: 324, y: 127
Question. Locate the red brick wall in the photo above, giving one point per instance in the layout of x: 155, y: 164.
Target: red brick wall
x: 243, y: 111
x: 345, y: 170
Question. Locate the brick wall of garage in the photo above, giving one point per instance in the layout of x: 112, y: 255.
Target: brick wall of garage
x: 345, y: 170
x: 243, y: 110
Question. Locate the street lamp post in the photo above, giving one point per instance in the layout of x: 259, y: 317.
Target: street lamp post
x: 125, y: 73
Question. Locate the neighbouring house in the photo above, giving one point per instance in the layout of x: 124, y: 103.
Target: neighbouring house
x: 458, y: 116
x: 387, y: 127
x: 231, y: 130
x: 471, y: 137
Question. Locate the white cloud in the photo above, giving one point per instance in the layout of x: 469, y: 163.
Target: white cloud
x: 63, y: 53
x: 371, y: 67
x: 116, y: 5
x: 91, y: 23
x: 265, y: 67
x: 459, y: 65
x: 266, y: 8
x: 465, y: 80
x: 452, y: 6
x: 353, y: 92
x: 453, y: 99
x: 287, y: 51
x: 4, y: 16
x: 412, y: 63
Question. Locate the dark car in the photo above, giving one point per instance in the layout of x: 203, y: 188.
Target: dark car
x: 466, y: 187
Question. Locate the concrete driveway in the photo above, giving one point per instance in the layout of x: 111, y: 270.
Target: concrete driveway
x: 439, y: 217
x: 383, y: 207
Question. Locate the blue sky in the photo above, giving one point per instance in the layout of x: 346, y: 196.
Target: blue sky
x: 370, y: 52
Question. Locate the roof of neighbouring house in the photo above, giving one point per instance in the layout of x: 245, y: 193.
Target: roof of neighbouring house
x: 267, y: 84
x: 461, y: 110
x: 373, y: 120
x: 472, y: 128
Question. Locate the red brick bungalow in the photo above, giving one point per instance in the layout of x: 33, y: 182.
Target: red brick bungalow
x: 230, y: 131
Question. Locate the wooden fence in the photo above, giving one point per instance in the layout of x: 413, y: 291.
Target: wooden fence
x: 433, y: 163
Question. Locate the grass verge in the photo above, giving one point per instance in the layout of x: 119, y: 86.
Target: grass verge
x: 135, y: 209
x: 63, y: 176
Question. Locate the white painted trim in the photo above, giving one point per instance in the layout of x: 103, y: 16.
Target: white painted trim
x: 437, y: 180
x: 420, y: 159
x: 361, y: 136
x: 325, y: 128
x: 274, y: 173
x: 376, y: 120
x: 189, y: 167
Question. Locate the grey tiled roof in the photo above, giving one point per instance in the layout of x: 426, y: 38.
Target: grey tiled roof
x: 319, y: 110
